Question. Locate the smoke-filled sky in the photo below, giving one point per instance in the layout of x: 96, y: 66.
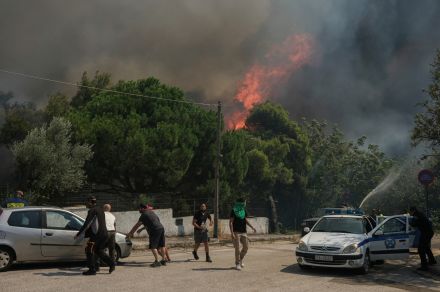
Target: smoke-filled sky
x: 369, y: 65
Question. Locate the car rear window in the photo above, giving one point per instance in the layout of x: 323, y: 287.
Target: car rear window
x: 28, y: 219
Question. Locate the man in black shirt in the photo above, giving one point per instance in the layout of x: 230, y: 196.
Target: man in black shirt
x: 426, y: 233
x: 201, y: 231
x: 237, y: 224
x: 156, y: 233
x: 96, y: 230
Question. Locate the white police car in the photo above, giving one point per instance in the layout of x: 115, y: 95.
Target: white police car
x: 350, y: 241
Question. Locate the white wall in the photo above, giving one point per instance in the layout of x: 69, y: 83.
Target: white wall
x: 126, y: 220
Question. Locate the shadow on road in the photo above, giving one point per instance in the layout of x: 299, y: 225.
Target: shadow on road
x: 214, y: 269
x: 397, y: 275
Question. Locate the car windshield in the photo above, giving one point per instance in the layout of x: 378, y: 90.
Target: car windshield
x: 340, y: 225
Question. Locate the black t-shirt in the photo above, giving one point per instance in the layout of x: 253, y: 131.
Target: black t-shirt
x: 238, y: 225
x: 151, y: 221
x: 201, y: 217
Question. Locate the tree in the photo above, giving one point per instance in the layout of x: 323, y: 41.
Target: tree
x: 427, y: 123
x: 146, y: 145
x: 48, y: 163
x: 279, y: 161
x: 19, y: 119
x: 89, y: 88
x: 57, y: 106
x: 343, y: 171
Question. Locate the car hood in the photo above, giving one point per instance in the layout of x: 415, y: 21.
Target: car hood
x: 332, y: 239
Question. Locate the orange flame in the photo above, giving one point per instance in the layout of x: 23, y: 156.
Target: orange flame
x: 281, y: 62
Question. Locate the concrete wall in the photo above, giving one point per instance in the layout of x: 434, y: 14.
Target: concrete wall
x: 126, y: 220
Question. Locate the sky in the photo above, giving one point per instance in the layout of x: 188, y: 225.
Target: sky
x: 367, y: 64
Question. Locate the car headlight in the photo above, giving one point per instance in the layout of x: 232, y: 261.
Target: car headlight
x: 302, y: 246
x: 352, y: 248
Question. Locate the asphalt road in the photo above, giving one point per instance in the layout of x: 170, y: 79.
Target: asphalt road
x: 269, y: 267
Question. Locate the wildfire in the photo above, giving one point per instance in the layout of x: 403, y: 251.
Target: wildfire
x: 279, y: 63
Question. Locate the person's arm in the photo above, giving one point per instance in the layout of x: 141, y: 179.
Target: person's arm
x: 87, y: 223
x: 141, y: 229
x: 135, y: 227
x: 231, y: 227
x: 249, y: 224
x: 210, y: 220
x: 195, y: 224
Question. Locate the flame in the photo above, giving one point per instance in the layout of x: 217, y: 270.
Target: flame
x: 279, y: 64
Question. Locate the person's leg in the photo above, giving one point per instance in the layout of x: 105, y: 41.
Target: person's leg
x: 431, y: 258
x: 155, y: 254
x: 167, y: 255
x: 100, y: 251
x: 208, y: 258
x: 91, y: 260
x: 422, y: 248
x: 161, y: 246
x: 245, y: 243
x: 197, y: 241
x: 111, y: 245
x: 236, y: 242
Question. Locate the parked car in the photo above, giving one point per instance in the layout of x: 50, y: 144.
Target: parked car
x: 350, y: 241
x: 43, y: 234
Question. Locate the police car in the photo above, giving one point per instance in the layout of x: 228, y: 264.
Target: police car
x: 352, y: 241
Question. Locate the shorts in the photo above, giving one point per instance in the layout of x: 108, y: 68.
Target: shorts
x: 201, y: 236
x: 157, y: 239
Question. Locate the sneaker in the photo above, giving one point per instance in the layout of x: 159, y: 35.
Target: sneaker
x: 432, y: 263
x: 238, y: 267
x: 208, y: 259
x: 163, y: 262
x: 155, y: 264
x: 89, y: 273
x: 196, y: 257
x: 111, y: 269
x: 242, y: 264
x: 423, y: 268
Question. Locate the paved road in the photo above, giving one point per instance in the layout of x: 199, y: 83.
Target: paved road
x: 269, y: 267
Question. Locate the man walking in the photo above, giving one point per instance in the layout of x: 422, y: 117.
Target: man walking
x: 426, y: 233
x: 237, y: 224
x: 95, y: 229
x: 110, y: 223
x: 201, y: 231
x: 156, y: 233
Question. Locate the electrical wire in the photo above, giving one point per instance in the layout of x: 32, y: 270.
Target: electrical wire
x: 101, y: 89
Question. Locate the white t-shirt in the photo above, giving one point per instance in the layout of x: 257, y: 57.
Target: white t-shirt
x: 110, y: 221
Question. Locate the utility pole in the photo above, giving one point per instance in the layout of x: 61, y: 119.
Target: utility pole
x: 217, y: 169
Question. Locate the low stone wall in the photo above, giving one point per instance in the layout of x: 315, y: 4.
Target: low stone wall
x: 181, y: 226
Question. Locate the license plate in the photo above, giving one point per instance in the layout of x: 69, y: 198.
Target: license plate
x: 323, y: 258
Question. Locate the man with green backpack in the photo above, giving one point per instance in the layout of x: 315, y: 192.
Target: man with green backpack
x: 237, y: 224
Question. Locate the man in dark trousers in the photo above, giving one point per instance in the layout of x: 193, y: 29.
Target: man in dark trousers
x: 421, y: 222
x: 156, y: 233
x: 201, y: 231
x: 95, y: 229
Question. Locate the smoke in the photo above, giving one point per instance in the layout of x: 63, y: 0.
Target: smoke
x: 371, y: 64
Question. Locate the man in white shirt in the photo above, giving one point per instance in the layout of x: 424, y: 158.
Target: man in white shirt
x: 110, y: 222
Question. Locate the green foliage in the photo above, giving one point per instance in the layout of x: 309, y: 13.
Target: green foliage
x: 343, y: 171
x: 57, y: 106
x: 144, y: 144
x: 427, y: 124
x: 48, y: 163
x: 19, y: 119
x: 89, y: 88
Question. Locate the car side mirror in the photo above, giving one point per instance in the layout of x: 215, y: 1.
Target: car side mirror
x: 378, y: 233
x: 306, y: 229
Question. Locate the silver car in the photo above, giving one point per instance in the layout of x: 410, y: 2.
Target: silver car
x: 43, y: 234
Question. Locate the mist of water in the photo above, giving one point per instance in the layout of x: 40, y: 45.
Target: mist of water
x: 384, y: 185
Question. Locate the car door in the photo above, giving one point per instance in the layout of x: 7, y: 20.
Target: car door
x: 390, y: 239
x: 57, y: 241
x: 24, y: 234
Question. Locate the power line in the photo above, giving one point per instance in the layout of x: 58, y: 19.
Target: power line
x: 101, y: 89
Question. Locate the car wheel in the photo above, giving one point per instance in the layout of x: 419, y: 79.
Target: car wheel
x: 6, y: 258
x: 366, y: 264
